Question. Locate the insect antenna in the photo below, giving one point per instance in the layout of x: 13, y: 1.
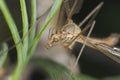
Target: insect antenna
x: 10, y: 38
x: 13, y: 46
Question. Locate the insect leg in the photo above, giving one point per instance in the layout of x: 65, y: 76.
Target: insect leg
x: 92, y: 14
x: 92, y: 26
x: 83, y: 46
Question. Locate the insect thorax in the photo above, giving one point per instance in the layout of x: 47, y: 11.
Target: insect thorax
x: 65, y: 35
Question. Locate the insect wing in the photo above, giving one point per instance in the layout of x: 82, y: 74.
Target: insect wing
x: 72, y: 7
x: 112, y: 52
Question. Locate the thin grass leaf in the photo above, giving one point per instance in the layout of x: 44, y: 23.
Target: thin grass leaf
x: 25, y: 27
x: 12, y: 27
x: 33, y: 21
x: 51, y: 14
x: 3, y: 54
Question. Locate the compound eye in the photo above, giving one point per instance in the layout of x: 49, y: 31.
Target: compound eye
x: 56, y: 38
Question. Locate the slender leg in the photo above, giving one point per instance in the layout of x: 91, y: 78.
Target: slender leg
x: 92, y: 14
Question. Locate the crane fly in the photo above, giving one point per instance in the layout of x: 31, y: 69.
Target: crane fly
x: 71, y: 33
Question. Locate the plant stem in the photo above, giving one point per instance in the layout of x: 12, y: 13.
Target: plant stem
x: 13, y: 28
x: 51, y: 14
x: 25, y: 27
x: 18, y: 71
x: 33, y: 21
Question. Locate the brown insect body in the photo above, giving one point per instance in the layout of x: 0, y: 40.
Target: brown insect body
x: 65, y: 35
x: 71, y: 33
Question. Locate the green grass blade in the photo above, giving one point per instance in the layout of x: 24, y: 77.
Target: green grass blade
x: 25, y: 26
x: 33, y: 21
x: 3, y: 54
x: 12, y: 27
x: 51, y: 14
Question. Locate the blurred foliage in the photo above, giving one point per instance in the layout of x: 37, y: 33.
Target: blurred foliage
x: 3, y: 54
x: 58, y: 72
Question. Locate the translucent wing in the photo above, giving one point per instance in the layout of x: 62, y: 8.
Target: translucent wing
x: 112, y: 52
x: 69, y: 8
x: 103, y: 46
x: 72, y: 7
